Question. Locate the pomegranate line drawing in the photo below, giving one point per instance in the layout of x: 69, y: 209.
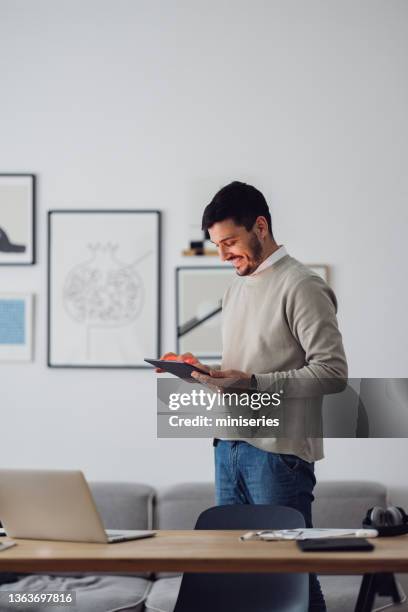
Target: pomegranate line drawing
x: 103, y: 292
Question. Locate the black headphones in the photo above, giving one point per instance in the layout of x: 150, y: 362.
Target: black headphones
x: 389, y: 521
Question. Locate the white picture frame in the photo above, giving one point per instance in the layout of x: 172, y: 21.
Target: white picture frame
x: 103, y: 288
x: 323, y: 270
x: 17, y: 219
x: 199, y: 292
x: 16, y: 327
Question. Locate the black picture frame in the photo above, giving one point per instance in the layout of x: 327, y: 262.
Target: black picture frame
x: 142, y: 366
x: 179, y: 270
x: 33, y: 178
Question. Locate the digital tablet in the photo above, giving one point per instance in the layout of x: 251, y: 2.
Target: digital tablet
x: 178, y: 368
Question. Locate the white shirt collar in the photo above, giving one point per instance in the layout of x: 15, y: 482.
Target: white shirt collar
x: 272, y: 259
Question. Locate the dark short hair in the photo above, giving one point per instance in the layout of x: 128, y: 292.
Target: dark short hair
x: 237, y: 201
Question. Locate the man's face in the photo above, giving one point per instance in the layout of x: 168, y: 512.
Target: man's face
x: 235, y: 244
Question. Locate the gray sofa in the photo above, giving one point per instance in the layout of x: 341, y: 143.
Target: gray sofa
x: 137, y: 506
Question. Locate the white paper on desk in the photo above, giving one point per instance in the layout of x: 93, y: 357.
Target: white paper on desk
x: 306, y: 533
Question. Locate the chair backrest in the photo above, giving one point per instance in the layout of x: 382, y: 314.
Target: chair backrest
x: 243, y: 592
x: 250, y: 516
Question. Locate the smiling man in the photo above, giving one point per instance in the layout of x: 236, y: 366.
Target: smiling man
x: 279, y: 327
x: 279, y: 322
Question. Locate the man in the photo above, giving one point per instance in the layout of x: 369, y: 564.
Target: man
x: 279, y: 323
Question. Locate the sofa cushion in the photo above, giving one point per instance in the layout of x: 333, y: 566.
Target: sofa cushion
x: 344, y: 504
x: 337, y: 503
x: 341, y: 592
x: 163, y: 595
x: 179, y: 506
x: 124, y: 505
x: 93, y: 593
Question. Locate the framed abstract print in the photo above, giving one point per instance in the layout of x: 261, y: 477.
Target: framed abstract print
x: 103, y: 288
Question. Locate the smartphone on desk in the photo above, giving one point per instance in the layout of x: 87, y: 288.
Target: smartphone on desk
x: 335, y: 544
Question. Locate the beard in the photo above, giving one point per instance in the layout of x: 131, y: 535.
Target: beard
x: 255, y: 250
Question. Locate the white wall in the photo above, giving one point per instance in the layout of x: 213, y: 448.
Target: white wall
x: 140, y: 103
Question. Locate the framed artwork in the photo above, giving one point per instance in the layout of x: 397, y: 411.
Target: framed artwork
x: 104, y: 270
x: 16, y: 321
x: 199, y: 292
x: 17, y: 219
x: 322, y: 270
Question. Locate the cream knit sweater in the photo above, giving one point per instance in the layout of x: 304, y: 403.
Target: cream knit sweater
x: 281, y: 326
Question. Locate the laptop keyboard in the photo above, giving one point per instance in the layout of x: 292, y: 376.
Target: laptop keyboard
x: 115, y: 535
x: 117, y: 538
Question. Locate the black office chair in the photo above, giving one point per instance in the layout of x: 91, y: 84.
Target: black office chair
x: 246, y: 592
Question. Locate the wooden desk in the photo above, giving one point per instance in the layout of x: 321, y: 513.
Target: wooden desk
x: 200, y: 551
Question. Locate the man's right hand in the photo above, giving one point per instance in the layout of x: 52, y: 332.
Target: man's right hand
x: 187, y: 357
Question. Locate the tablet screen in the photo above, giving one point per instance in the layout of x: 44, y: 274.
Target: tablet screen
x: 177, y: 368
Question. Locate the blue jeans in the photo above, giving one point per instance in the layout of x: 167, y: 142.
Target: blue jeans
x: 245, y: 474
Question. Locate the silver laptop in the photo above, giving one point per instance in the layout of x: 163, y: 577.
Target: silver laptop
x: 54, y: 505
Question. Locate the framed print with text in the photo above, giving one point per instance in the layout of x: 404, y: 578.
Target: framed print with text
x: 103, y: 288
x: 17, y: 219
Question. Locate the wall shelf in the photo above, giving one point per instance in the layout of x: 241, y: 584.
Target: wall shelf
x: 192, y: 253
